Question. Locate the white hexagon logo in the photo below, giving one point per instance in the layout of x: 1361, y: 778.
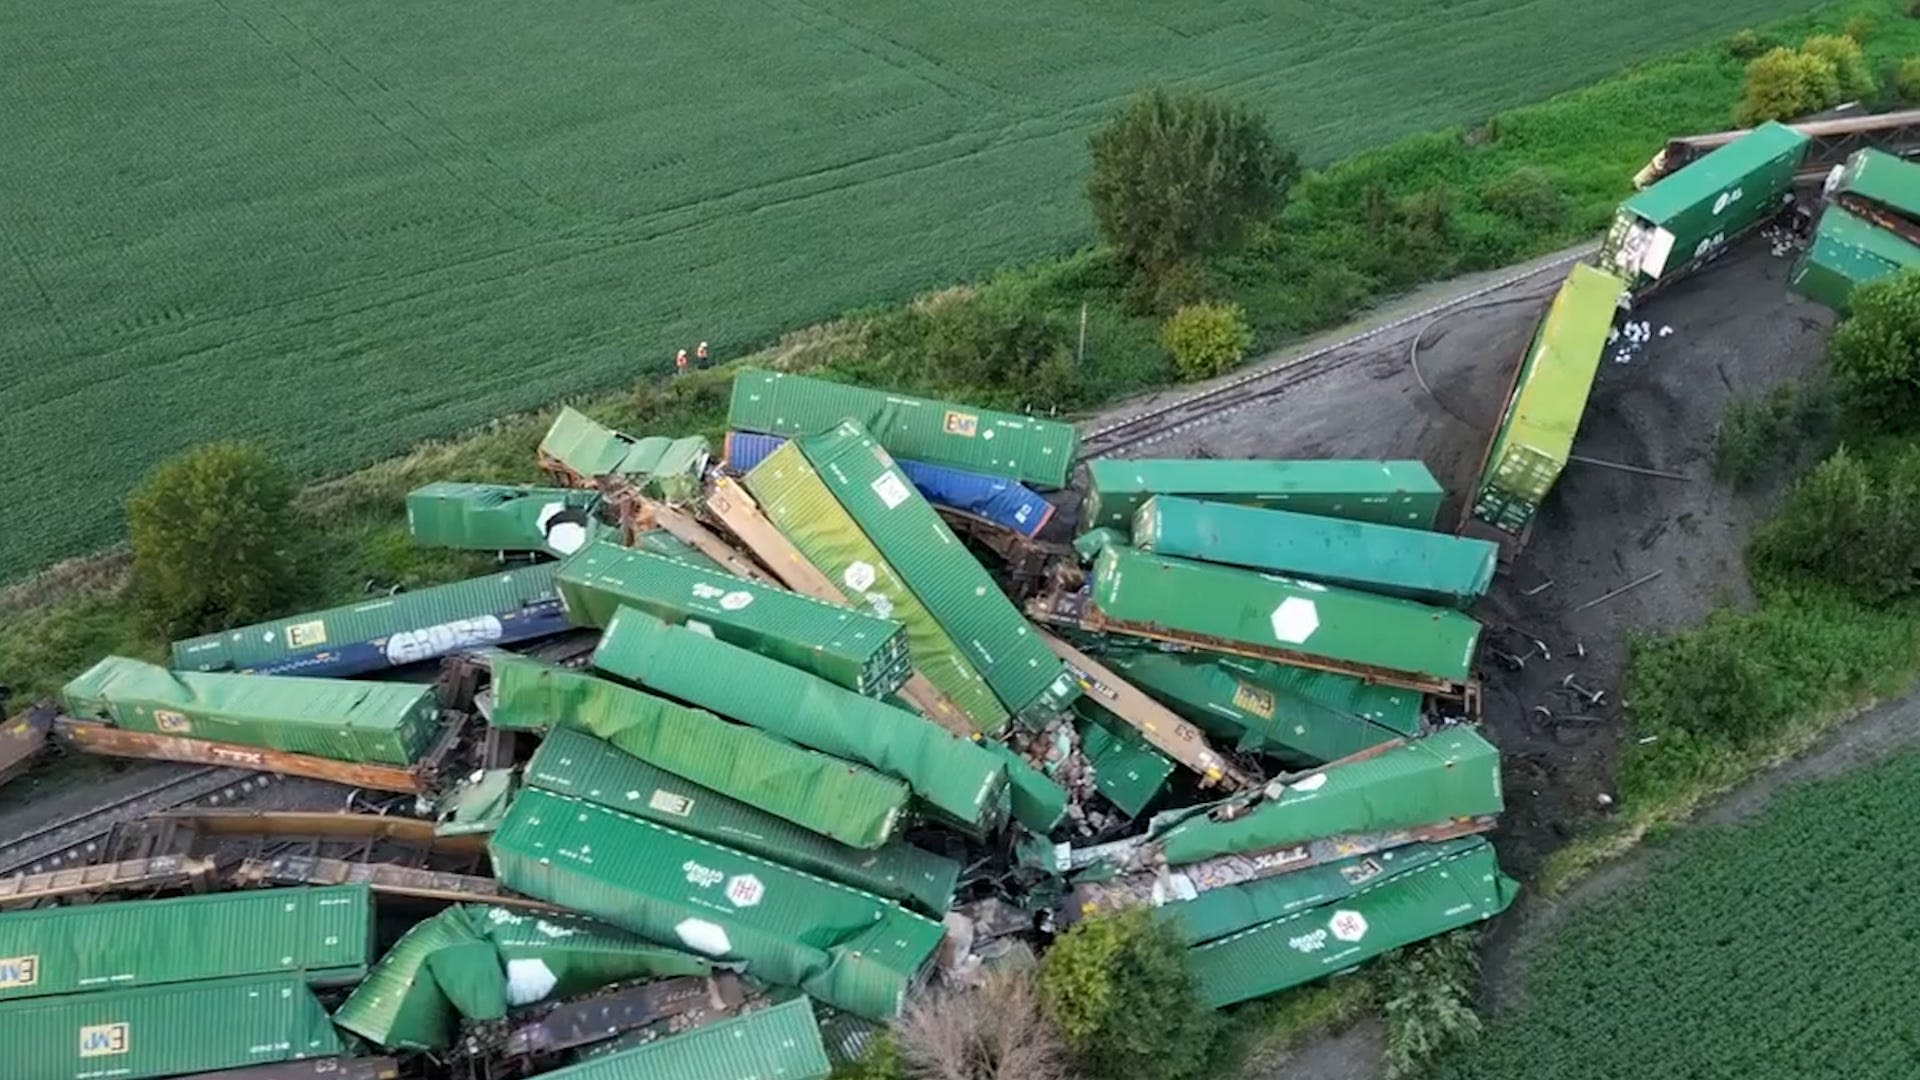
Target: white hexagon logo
x: 703, y: 937
x: 859, y: 576
x: 736, y: 600
x: 745, y: 890
x: 1295, y: 620
x: 1348, y: 925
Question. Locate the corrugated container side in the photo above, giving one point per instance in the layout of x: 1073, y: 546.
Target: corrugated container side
x: 1848, y: 252
x: 392, y: 631
x: 399, y: 1005
x: 855, y: 806
x: 1413, y: 564
x: 498, y: 517
x: 781, y: 1043
x: 324, y: 933
x: 1397, y: 911
x: 1357, y: 632
x: 947, y: 771
x: 667, y: 467
x: 788, y: 927
x: 936, y: 432
x: 853, y: 649
x: 1400, y: 493
x: 1128, y: 771
x: 572, y: 763
x: 1881, y: 178
x: 165, y: 1030
x: 965, y: 600
x: 798, y: 503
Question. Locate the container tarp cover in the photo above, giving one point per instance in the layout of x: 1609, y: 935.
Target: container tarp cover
x: 1536, y: 434
x: 1354, y: 631
x: 861, y: 652
x: 1880, y: 177
x: 155, y: 1031
x: 1415, y: 564
x: 996, y: 499
x: 937, y: 432
x: 856, y: 806
x: 952, y: 774
x: 1304, y: 716
x: 371, y: 722
x: 850, y: 949
x: 1386, y: 492
x: 962, y: 596
x: 1848, y: 252
x: 1690, y: 214
x: 498, y: 517
x: 391, y: 631
x: 780, y: 1043
x: 1393, y: 911
x: 1449, y: 775
x: 666, y: 467
x: 571, y: 763
x: 799, y: 505
x: 1218, y: 912
x: 325, y: 933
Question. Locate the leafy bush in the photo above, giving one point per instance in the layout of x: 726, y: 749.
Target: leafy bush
x: 1206, y: 339
x: 1906, y: 80
x: 1783, y: 84
x: 1746, y: 45
x: 996, y: 343
x: 1175, y: 177
x: 1756, y: 435
x: 993, y: 1032
x: 1427, y: 994
x: 1119, y: 989
x: 879, y: 1061
x: 210, y: 546
x: 1859, y: 28
x: 1851, y: 525
x: 1875, y: 352
x: 1849, y: 65
x: 1529, y: 196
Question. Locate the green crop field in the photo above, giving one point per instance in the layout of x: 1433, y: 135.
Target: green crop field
x: 345, y: 226
x: 1781, y: 950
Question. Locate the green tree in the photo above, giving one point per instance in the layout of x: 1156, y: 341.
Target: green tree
x: 1875, y: 352
x: 1426, y: 993
x: 1206, y: 339
x: 1783, y: 84
x: 1851, y: 525
x: 1906, y: 80
x: 1120, y: 991
x: 210, y: 539
x: 1849, y: 64
x: 1181, y: 176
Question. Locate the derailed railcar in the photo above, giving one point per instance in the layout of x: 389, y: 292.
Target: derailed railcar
x: 780, y: 1043
x: 1848, y: 252
x: 21, y: 740
x: 393, y: 631
x: 1883, y: 189
x: 379, y: 723
x: 1400, y: 493
x: 578, y: 452
x: 500, y: 517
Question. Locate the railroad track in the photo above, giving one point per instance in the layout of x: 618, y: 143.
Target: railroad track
x: 78, y: 838
x: 1153, y: 425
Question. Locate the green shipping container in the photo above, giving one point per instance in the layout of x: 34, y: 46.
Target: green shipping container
x: 952, y: 774
x: 781, y: 1043
x: 937, y: 432
x: 1037, y: 802
x: 156, y: 1031
x: 1400, y: 493
x: 1392, y: 912
x: 668, y: 468
x: 1217, y: 913
x: 399, y: 1005
x: 861, y: 652
x: 963, y: 597
x: 1305, y: 717
x: 1285, y: 618
x: 1447, y: 776
x: 855, y: 806
x: 1414, y: 564
x: 571, y: 763
x: 798, y: 503
x: 325, y: 934
x: 1549, y: 398
x: 498, y: 517
x: 1665, y: 230
x: 1128, y: 771
x: 1848, y: 252
x: 850, y: 949
x: 1876, y: 179
x: 369, y: 722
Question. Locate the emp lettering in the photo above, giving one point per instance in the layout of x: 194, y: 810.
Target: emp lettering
x: 19, y: 972
x: 101, y: 1040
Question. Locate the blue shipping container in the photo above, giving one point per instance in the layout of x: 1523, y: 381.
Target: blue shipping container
x: 994, y: 499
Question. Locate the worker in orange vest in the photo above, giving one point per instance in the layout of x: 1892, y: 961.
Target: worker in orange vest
x: 680, y: 363
x: 700, y: 355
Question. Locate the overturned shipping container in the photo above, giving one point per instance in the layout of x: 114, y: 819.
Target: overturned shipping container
x: 1848, y: 252
x: 936, y: 432
x: 850, y: 949
x: 780, y: 1043
x: 1883, y: 189
x: 1272, y: 617
x: 1414, y: 564
x: 369, y: 722
x: 580, y: 451
x: 392, y: 631
x: 853, y: 649
x: 1400, y: 493
x: 498, y: 517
